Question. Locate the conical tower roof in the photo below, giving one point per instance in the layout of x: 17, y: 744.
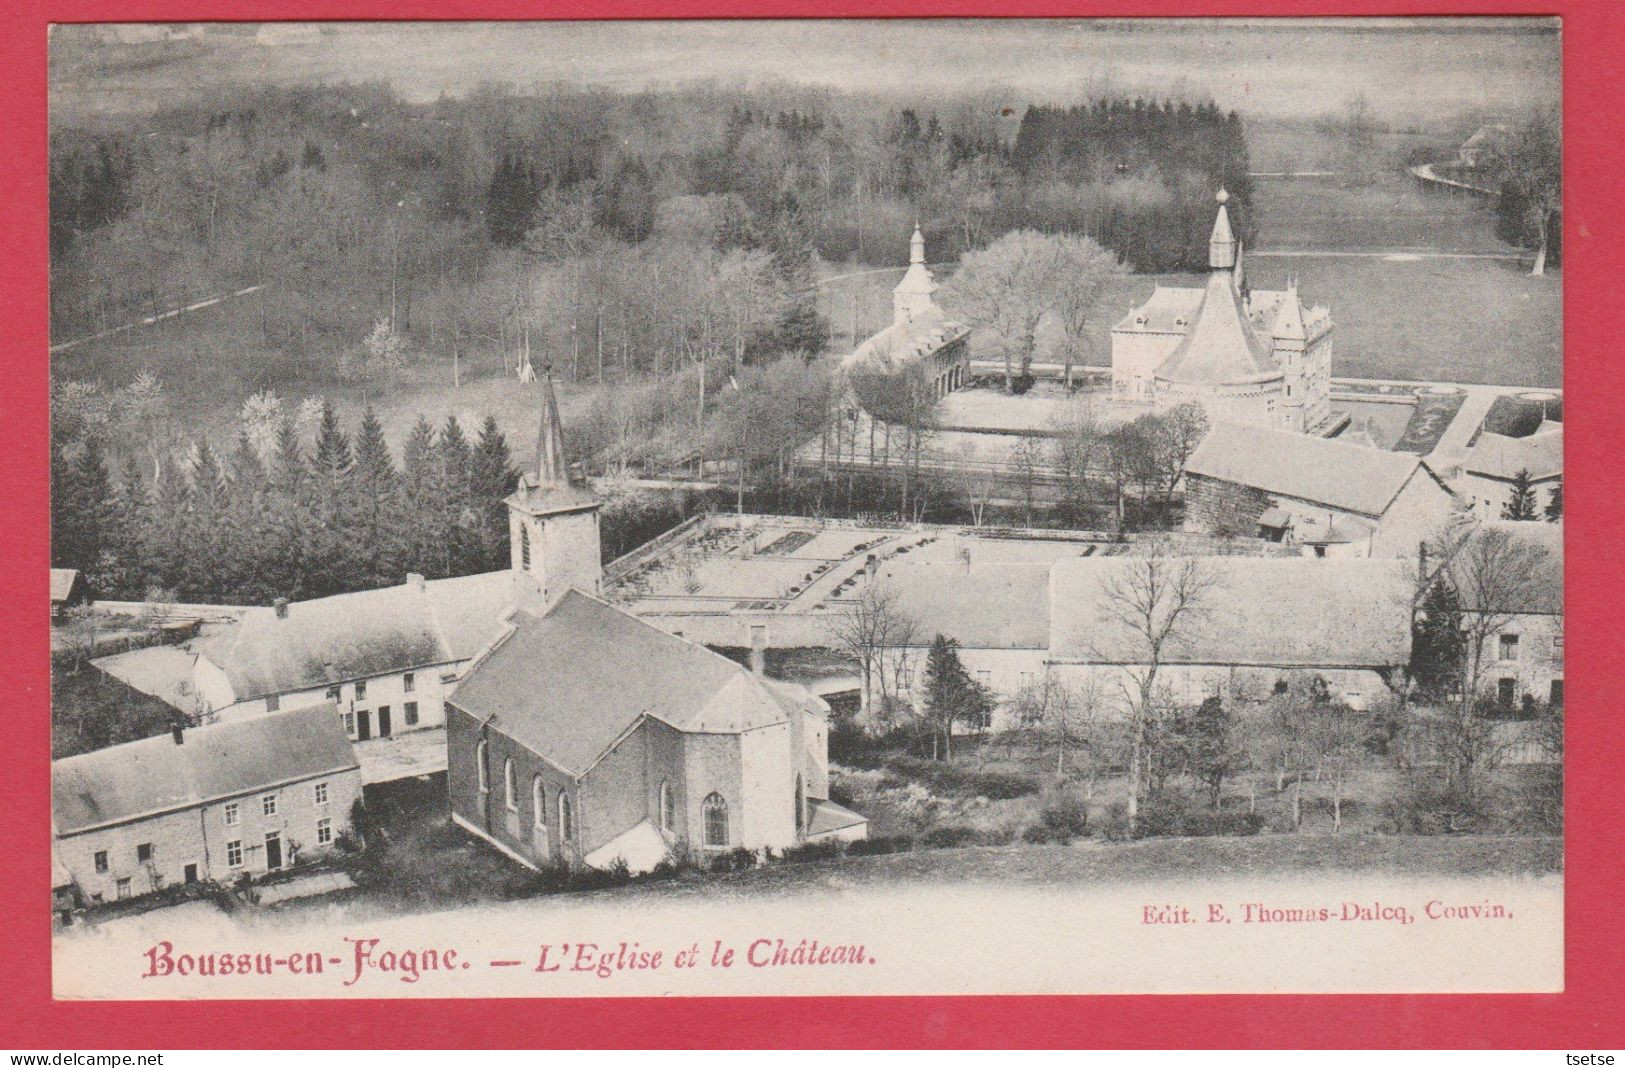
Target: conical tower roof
x: 1221, y: 246
x: 1289, y: 319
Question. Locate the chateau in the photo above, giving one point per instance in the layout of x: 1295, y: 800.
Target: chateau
x: 1246, y: 356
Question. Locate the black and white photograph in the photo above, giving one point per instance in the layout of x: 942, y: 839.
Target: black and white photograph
x: 806, y: 507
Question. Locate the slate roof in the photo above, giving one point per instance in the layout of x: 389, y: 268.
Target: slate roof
x: 904, y: 344
x: 1167, y: 311
x: 368, y: 633
x: 154, y: 776
x: 827, y: 817
x: 568, y: 682
x: 1220, y: 345
x: 62, y: 583
x: 984, y: 606
x: 1499, y: 456
x: 1296, y: 612
x: 1352, y: 478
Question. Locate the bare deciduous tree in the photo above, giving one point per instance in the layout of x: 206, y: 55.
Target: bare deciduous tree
x: 1154, y: 602
x: 865, y: 629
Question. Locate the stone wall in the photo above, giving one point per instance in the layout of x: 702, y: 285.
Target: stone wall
x: 1218, y: 507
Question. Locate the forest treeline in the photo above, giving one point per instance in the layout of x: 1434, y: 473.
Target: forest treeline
x: 624, y: 232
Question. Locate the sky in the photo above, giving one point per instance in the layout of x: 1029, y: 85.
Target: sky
x: 1410, y: 69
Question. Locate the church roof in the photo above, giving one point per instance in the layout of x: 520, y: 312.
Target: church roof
x: 569, y: 682
x: 1220, y: 345
x: 155, y: 775
x: 1351, y: 478
x: 368, y: 633
x: 1257, y: 611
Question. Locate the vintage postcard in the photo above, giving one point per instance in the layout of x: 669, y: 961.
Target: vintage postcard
x: 806, y: 508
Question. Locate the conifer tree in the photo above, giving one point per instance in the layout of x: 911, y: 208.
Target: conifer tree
x: 375, y: 495
x: 422, y: 493
x: 1521, y: 503
x: 1554, y: 505
x: 492, y: 478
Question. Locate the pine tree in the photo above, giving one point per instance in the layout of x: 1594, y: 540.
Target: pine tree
x: 331, y: 542
x: 1554, y: 506
x: 1437, y: 643
x: 492, y: 478
x: 460, y: 517
x: 422, y: 493
x: 951, y: 695
x: 376, y: 500
x: 1521, y: 504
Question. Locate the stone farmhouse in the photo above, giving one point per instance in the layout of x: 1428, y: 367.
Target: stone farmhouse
x: 1327, y: 497
x: 248, y: 796
x: 1260, y: 622
x: 1259, y: 357
x: 384, y: 658
x: 1494, y: 461
x: 1523, y: 657
x: 586, y: 736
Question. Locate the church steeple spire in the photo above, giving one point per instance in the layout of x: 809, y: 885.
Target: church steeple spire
x: 912, y: 298
x: 1221, y: 247
x: 916, y: 246
x: 551, y: 466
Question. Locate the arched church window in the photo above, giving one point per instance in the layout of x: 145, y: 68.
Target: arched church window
x: 509, y: 796
x: 801, y: 806
x: 538, y: 802
x: 524, y: 547
x: 479, y: 761
x: 715, y: 811
x: 665, y: 806
x: 567, y: 825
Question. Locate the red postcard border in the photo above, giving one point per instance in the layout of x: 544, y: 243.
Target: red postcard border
x: 1585, y: 1015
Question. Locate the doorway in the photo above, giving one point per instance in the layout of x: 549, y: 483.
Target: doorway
x: 383, y: 721
x: 363, y: 725
x: 190, y: 873
x: 273, y: 850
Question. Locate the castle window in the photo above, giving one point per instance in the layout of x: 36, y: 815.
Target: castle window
x: 509, y: 797
x: 716, y: 822
x: 524, y: 548
x: 538, y: 802
x: 479, y: 761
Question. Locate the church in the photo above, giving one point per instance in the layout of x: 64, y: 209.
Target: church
x: 582, y: 735
x: 1259, y: 357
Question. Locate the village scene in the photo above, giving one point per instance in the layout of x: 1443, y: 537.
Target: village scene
x: 498, y: 464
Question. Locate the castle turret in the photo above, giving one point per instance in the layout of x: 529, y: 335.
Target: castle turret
x: 1289, y: 342
x: 1221, y: 247
x: 553, y: 516
x: 913, y: 296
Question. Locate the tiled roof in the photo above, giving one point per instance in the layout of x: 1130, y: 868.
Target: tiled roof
x: 983, y: 606
x: 1300, y: 612
x: 221, y: 760
x: 568, y: 682
x: 1498, y: 456
x: 369, y: 633
x: 1348, y: 477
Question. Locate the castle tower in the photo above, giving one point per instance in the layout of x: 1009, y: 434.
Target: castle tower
x: 553, y: 517
x: 913, y: 296
x: 1221, y: 246
x: 1289, y: 341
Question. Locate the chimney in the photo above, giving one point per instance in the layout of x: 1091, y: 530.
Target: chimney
x: 177, y: 732
x: 758, y: 649
x: 281, y: 607
x: 415, y: 581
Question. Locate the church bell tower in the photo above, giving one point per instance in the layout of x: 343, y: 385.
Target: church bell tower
x: 553, y: 517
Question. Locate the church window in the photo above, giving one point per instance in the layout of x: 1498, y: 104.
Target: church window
x: 524, y: 548
x: 665, y: 806
x: 479, y: 761
x: 509, y: 797
x: 567, y: 825
x: 801, y: 806
x: 716, y: 822
x: 538, y: 802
